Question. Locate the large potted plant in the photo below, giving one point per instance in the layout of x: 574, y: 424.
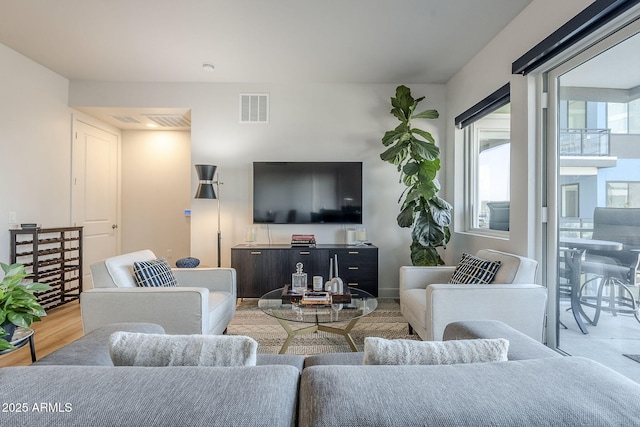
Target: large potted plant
x: 18, y: 305
x: 417, y: 158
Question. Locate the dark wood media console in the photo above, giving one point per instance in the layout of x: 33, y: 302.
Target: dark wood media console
x: 263, y: 268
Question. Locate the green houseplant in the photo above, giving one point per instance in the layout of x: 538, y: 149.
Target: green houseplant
x: 417, y: 158
x: 18, y: 305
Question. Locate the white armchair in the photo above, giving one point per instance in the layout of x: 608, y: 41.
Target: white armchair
x: 203, y: 303
x: 429, y: 303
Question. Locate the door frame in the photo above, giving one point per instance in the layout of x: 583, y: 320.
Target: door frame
x: 548, y: 82
x: 77, y: 116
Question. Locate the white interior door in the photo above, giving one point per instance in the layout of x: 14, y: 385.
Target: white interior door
x: 95, y: 192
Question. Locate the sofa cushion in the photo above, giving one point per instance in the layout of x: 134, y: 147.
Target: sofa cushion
x: 472, y: 269
x: 514, y: 268
x: 222, y: 308
x: 380, y: 351
x: 568, y: 391
x: 120, y: 267
x: 351, y: 358
x: 139, y: 396
x: 154, y: 273
x: 135, y: 349
x: 521, y: 346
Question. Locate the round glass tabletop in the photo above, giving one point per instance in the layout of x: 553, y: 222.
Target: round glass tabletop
x: 362, y: 303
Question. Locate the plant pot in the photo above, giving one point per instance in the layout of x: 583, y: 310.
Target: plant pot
x: 9, y: 328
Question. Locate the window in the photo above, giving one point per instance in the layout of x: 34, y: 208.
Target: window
x: 570, y: 201
x: 634, y: 116
x: 488, y: 142
x: 617, y: 117
x: 577, y: 112
x: 593, y: 117
x: 623, y: 194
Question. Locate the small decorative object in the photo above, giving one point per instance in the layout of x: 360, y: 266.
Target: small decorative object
x: 18, y: 305
x: 335, y: 284
x: 351, y: 236
x: 361, y: 235
x: 251, y: 236
x: 317, y: 283
x: 299, y: 279
x: 187, y: 262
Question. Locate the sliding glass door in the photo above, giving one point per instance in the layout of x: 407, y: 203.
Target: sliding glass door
x: 593, y: 194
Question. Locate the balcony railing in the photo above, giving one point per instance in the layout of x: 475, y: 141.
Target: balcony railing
x: 584, y: 142
x: 576, y: 227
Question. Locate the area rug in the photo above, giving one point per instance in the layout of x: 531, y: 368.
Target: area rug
x: 635, y: 357
x: 385, y: 322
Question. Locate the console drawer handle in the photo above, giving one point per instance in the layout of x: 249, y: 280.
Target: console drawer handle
x: 353, y: 252
x: 304, y: 252
x: 352, y: 268
x: 256, y: 253
x: 353, y: 284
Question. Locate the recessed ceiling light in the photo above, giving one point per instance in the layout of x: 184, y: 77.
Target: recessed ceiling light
x: 207, y: 67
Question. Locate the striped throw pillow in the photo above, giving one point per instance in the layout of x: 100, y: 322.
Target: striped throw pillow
x: 474, y: 270
x: 154, y: 273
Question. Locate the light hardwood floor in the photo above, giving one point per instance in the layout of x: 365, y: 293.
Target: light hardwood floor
x: 58, y: 328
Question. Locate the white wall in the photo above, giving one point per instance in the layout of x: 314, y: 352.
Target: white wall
x: 320, y: 122
x: 489, y: 70
x: 307, y: 122
x: 156, y: 185
x: 35, y: 145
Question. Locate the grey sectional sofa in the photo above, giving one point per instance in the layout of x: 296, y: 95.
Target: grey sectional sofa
x: 536, y: 387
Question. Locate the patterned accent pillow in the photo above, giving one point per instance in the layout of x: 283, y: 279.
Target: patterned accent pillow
x: 154, y: 273
x: 474, y: 270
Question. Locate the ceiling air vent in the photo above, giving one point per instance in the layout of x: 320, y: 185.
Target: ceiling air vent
x: 126, y: 119
x: 168, y: 120
x: 254, y: 108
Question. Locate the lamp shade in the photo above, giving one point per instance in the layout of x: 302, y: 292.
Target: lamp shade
x: 205, y: 186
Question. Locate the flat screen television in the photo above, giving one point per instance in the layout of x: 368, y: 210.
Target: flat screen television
x: 307, y: 192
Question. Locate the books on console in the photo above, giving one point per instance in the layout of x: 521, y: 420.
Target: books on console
x: 303, y: 240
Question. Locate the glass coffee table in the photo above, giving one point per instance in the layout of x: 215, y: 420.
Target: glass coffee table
x: 289, y: 312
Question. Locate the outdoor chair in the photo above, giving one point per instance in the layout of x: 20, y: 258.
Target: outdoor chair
x: 613, y: 272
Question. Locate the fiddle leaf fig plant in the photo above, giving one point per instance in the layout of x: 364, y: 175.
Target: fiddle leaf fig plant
x: 18, y: 305
x: 414, y: 152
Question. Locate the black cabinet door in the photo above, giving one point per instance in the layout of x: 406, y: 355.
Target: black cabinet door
x: 315, y: 263
x: 358, y: 267
x: 259, y: 270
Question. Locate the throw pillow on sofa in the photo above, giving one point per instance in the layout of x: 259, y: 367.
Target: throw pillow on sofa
x: 474, y: 270
x: 138, y: 349
x: 380, y: 351
x: 154, y: 273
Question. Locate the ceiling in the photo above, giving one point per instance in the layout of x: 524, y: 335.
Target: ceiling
x: 276, y: 41
x: 615, y: 68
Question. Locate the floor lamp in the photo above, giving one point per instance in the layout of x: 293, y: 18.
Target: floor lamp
x: 206, y: 174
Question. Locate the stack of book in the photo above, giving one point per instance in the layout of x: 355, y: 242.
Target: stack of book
x: 303, y: 240
x: 316, y: 298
